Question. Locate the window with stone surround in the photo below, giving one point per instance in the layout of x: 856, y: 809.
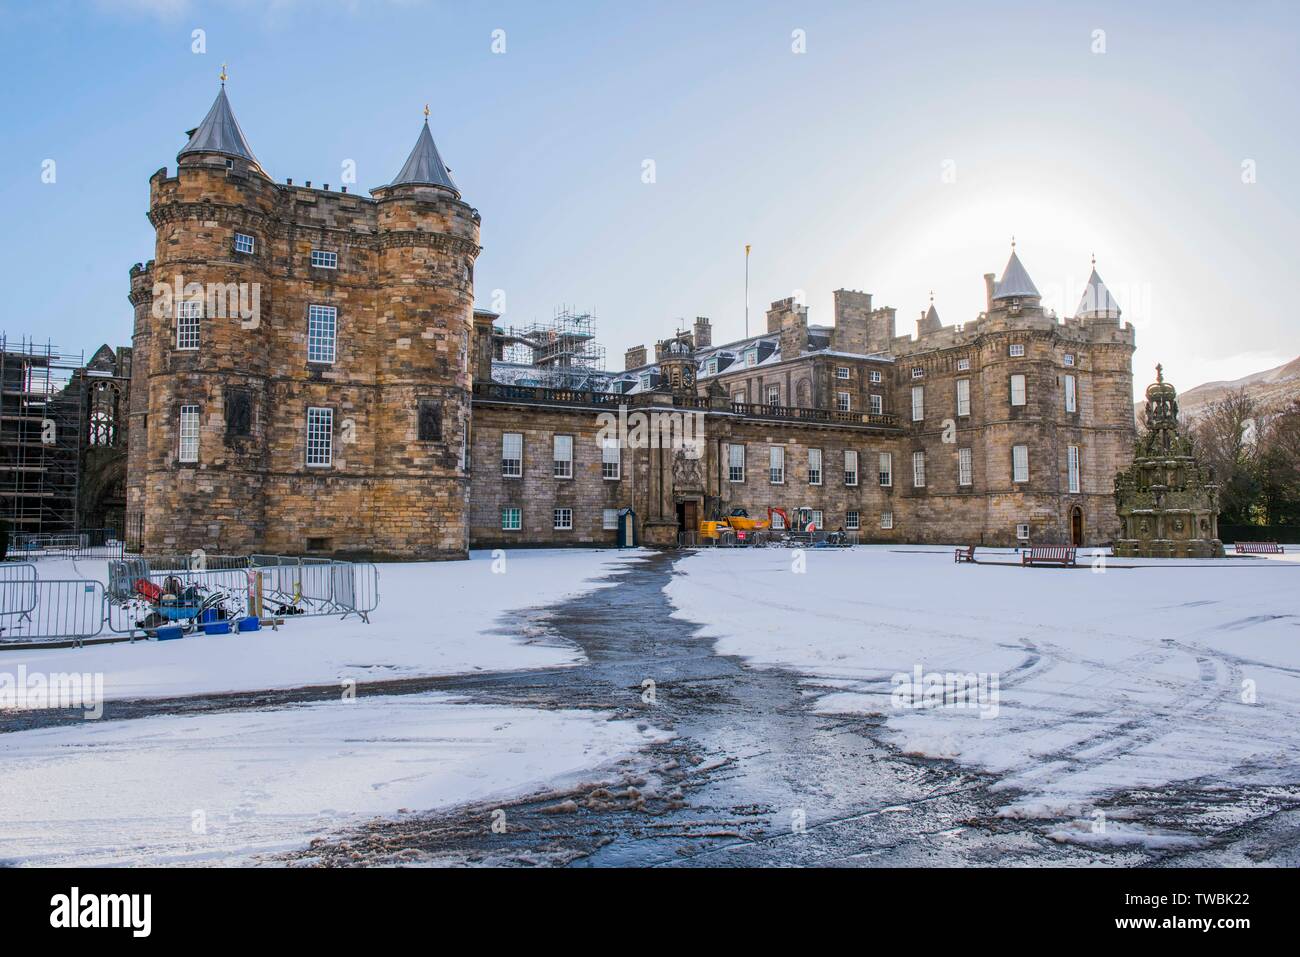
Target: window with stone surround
x: 324, y: 259
x: 1072, y: 465
x: 1016, y: 349
x: 918, y: 403
x: 776, y: 465
x: 852, y: 521
x: 963, y: 396
x: 886, y: 519
x: 562, y: 467
x: 1022, y: 531
x: 850, y: 467
x: 886, y: 469
x: 842, y: 372
x: 512, y: 519
x: 609, y: 519
x: 965, y: 472
x: 814, y: 466
x: 1071, y: 394
x: 875, y: 376
x: 244, y: 243
x: 320, y: 437
x: 563, y: 519
x: 188, y: 314
x: 735, y: 463
x: 877, y: 404
x: 918, y: 470
x: 322, y: 321
x: 843, y: 401
x: 188, y: 450
x: 1020, y: 463
x: 774, y: 395
x: 512, y: 454
x: 817, y: 518
x: 963, y: 365
x: 1017, y: 389
x: 611, y: 460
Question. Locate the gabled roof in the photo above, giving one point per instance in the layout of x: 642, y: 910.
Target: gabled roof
x: 424, y: 167
x: 220, y: 133
x: 1015, y: 282
x: 1097, y: 302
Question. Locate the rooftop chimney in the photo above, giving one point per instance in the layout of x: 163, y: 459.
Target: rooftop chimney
x: 703, y: 333
x: 634, y: 358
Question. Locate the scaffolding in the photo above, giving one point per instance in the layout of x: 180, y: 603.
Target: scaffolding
x: 40, y: 436
x: 562, y: 350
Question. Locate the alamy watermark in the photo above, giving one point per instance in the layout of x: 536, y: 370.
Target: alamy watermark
x: 951, y: 689
x: 38, y: 691
x: 221, y: 300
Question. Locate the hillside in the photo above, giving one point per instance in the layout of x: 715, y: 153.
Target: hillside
x: 1269, y: 388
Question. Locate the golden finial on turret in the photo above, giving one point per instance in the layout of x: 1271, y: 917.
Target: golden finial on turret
x: 223, y: 74
x: 426, y: 112
x: 1013, y: 243
x: 1094, y: 260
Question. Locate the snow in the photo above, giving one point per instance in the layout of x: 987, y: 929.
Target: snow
x: 219, y: 788
x: 1129, y: 677
x: 434, y: 618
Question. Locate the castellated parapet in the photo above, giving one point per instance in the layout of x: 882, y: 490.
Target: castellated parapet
x: 387, y: 371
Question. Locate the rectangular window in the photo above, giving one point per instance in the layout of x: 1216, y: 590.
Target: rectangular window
x: 963, y: 365
x: 320, y: 437
x: 850, y: 467
x: 918, y: 470
x: 776, y: 465
x: 738, y: 399
x: 1071, y: 396
x: 321, y: 324
x: 918, y: 373
x: 886, y: 468
x: 875, y: 375
x: 189, y: 446
x: 918, y: 403
x: 964, y: 469
x: 851, y: 521
x: 609, y: 519
x: 817, y: 518
x: 428, y: 423
x: 1072, y: 461
x: 645, y: 380
x: 842, y: 372
x: 611, y: 460
x: 188, y: 314
x: 1022, y: 531
x: 563, y: 465
x: 323, y: 259
x: 774, y: 395
x: 736, y: 463
x: 877, y: 404
x: 1017, y: 349
x: 563, y: 519
x: 1017, y: 389
x: 512, y: 519
x: 886, y: 519
x: 711, y: 367
x: 814, y: 466
x: 778, y: 523
x: 963, y: 396
x: 1068, y: 359
x: 751, y: 357
x: 1020, y: 463
x: 244, y: 243
x: 512, y: 454
x: 843, y: 401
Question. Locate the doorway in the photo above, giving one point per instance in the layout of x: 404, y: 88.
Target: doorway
x: 1076, y: 527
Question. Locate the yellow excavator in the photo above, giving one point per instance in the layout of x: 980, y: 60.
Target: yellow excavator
x: 737, y: 526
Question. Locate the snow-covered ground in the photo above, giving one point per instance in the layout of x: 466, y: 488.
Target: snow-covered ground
x: 217, y: 788
x: 1105, y: 681
x: 434, y: 618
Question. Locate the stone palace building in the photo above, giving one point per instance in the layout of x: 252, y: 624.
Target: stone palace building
x: 310, y: 375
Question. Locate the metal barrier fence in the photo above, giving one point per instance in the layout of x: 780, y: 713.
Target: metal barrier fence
x: 87, y: 543
x: 65, y: 609
x: 17, y: 589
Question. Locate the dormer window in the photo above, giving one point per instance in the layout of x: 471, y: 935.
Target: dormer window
x: 751, y: 357
x: 711, y: 367
x: 244, y: 243
x: 324, y: 259
x: 645, y: 380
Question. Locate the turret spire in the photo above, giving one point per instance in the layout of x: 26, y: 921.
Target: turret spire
x: 1097, y: 302
x: 424, y: 167
x: 219, y: 132
x: 1015, y: 282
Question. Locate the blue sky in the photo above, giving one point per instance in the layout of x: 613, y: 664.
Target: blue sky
x: 830, y: 162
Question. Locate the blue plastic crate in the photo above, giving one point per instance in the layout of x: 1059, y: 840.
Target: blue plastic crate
x: 216, y: 627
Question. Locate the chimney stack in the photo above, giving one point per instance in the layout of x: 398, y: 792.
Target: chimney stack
x: 990, y: 285
x: 634, y: 358
x: 703, y: 333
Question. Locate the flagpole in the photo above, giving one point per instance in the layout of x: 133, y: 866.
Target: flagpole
x: 747, y: 248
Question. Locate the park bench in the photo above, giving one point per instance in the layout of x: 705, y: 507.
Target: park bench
x: 964, y: 554
x: 1062, y: 555
x: 1259, y: 548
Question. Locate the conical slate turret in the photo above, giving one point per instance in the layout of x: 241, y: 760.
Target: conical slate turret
x: 424, y: 167
x: 220, y: 133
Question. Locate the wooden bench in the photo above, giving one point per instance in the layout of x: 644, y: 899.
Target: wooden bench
x: 1062, y: 555
x: 966, y: 554
x: 1258, y: 548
